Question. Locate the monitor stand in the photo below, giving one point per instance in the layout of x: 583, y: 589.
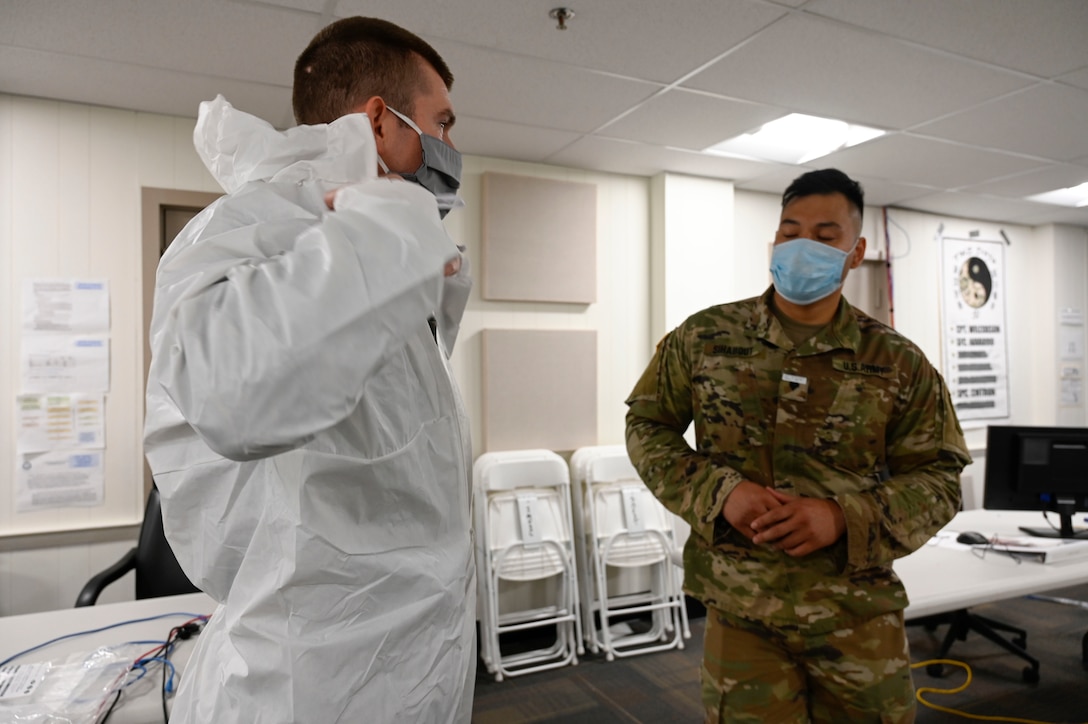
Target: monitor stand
x: 1066, y: 512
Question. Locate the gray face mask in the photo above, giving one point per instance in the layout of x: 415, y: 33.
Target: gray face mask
x: 440, y: 172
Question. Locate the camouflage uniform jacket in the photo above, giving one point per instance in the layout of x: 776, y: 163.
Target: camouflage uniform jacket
x: 856, y: 413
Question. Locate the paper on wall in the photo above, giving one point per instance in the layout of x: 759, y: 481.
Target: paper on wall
x: 81, y: 306
x: 1070, y: 342
x: 974, y: 334
x: 53, y: 422
x: 58, y: 478
x: 64, y: 363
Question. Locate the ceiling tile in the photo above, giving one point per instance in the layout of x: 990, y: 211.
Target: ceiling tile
x: 603, y: 91
x: 1047, y: 178
x: 484, y: 137
x: 628, y: 157
x: 535, y: 92
x: 909, y: 159
x: 686, y: 119
x: 196, y: 36
x: 774, y: 180
x: 1077, y: 78
x: 609, y: 35
x: 972, y: 206
x: 1060, y: 110
x: 1058, y: 215
x: 311, y: 6
x: 878, y: 192
x: 1042, y: 38
x: 106, y: 83
x: 881, y: 192
x: 844, y: 73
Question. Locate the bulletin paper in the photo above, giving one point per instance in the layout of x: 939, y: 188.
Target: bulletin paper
x: 976, y: 366
x: 64, y: 363
x: 55, y: 422
x: 58, y: 479
x: 81, y: 306
x: 64, y: 375
x: 1071, y: 356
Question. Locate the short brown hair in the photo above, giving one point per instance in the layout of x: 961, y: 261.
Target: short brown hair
x: 357, y: 58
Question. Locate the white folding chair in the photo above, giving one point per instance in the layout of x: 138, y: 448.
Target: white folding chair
x: 580, y: 462
x: 631, y: 562
x: 525, y: 559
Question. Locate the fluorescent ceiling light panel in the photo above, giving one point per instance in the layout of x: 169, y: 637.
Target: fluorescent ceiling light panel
x: 1071, y: 196
x: 795, y: 139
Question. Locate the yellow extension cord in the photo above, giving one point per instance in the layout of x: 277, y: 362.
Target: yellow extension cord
x: 958, y: 689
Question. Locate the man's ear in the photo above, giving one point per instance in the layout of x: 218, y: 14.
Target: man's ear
x: 374, y: 108
x: 859, y: 253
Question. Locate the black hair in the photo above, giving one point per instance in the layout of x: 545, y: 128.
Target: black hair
x: 824, y: 182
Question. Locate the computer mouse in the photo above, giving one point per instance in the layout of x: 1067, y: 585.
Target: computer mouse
x: 972, y: 538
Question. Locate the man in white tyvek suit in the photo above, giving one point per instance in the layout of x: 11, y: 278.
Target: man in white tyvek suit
x: 302, y: 424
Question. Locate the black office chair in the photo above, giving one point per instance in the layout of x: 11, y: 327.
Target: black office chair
x: 962, y: 622
x: 157, y: 570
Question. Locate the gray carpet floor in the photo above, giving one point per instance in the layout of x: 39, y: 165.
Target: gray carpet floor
x: 664, y: 687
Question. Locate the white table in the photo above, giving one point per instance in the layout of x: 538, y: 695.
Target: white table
x: 940, y: 578
x: 944, y: 577
x: 138, y: 705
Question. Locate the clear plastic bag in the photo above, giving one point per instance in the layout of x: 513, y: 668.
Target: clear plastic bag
x: 74, y: 690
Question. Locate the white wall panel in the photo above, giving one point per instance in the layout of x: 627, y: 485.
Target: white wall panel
x: 157, y: 154
x: 116, y: 249
x: 34, y: 154
x: 70, y: 180
x: 529, y: 223
x: 50, y: 577
x: 8, y: 310
x: 1070, y: 289
x: 620, y: 316
x: 32, y: 581
x: 755, y: 222
x: 693, y: 247
x: 73, y: 202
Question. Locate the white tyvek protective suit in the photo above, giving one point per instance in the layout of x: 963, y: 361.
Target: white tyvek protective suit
x: 308, y: 439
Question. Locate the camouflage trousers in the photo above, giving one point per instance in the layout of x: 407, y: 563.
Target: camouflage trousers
x: 754, y: 673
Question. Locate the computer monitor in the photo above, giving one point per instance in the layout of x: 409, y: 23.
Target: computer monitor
x: 1038, y: 468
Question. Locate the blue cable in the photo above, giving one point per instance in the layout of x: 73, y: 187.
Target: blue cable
x: 165, y: 662
x: 141, y: 664
x: 143, y: 673
x: 97, y: 630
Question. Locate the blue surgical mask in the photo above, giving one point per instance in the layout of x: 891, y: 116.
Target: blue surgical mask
x: 806, y: 271
x: 440, y: 171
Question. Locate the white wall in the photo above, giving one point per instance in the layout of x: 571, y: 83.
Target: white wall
x: 70, y: 179
x: 756, y: 220
x: 691, y: 245
x: 620, y: 316
x: 1071, y: 293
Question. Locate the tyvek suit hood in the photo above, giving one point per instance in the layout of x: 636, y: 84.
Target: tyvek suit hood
x: 307, y: 437
x: 238, y: 148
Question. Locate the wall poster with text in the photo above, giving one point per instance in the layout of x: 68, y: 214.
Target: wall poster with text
x: 976, y: 360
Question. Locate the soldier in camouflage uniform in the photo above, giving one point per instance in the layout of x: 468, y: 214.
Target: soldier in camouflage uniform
x: 826, y: 447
